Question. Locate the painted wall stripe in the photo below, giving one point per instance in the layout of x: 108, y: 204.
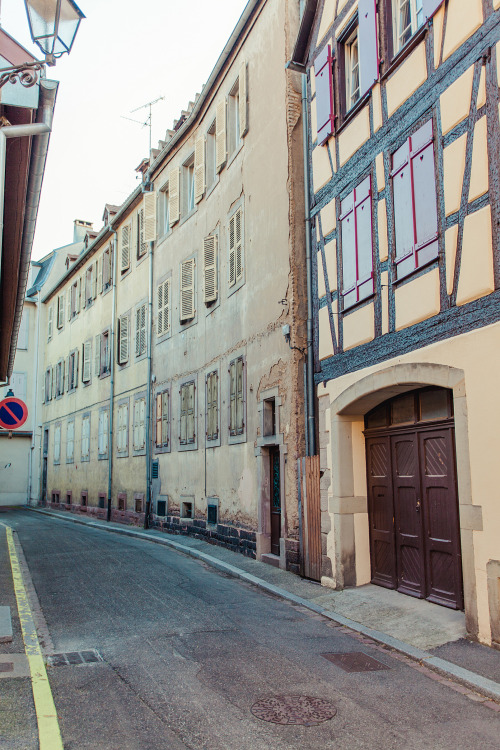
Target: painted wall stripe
x: 49, y: 733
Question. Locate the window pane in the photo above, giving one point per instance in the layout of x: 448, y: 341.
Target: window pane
x: 376, y: 418
x: 434, y: 405
x: 403, y: 409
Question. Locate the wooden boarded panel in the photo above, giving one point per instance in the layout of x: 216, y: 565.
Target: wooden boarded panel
x: 312, y: 517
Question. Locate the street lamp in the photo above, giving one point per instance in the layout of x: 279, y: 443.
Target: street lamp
x: 53, y: 25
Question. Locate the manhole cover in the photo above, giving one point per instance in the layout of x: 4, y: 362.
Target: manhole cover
x: 355, y: 661
x: 7, y: 666
x: 294, y: 709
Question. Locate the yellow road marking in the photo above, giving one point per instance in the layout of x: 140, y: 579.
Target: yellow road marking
x: 49, y: 733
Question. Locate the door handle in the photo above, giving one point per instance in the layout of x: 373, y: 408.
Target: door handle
x: 418, y: 506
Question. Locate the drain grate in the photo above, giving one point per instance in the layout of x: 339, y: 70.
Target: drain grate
x: 74, y: 657
x: 7, y: 666
x: 355, y: 661
x: 294, y: 709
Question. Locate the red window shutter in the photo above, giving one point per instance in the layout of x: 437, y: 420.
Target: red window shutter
x: 364, y: 238
x: 357, y: 244
x: 429, y: 7
x: 348, y: 233
x: 324, y: 93
x: 368, y: 45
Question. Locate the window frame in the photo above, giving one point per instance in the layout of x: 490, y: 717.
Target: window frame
x: 87, y: 382
x: 188, y: 188
x: 414, y: 27
x: 104, y: 367
x: 60, y: 375
x: 73, y: 366
x: 234, y: 139
x: 235, y: 433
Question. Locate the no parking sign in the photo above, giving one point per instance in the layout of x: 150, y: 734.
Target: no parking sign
x: 13, y: 413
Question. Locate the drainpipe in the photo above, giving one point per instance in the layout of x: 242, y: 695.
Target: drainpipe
x: 310, y: 404
x: 35, y: 398
x: 148, y: 390
x: 112, y: 377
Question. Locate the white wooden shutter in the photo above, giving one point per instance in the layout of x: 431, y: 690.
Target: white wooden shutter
x: 62, y: 375
x: 239, y: 395
x: 220, y: 136
x: 68, y: 384
x: 105, y: 430
x: 97, y: 360
x: 158, y: 419
x: 163, y: 308
x: 100, y: 433
x: 150, y: 217
x: 174, y: 194
x: 239, y: 244
x: 60, y: 311
x: 99, y: 267
x: 123, y: 340
x: 199, y: 168
x: 187, y: 289
x: 50, y: 323
x: 191, y: 432
x: 143, y: 343
x: 141, y: 244
x: 70, y: 295
x: 87, y: 360
x: 184, y: 405
x: 78, y: 293
x: 125, y: 250
x: 210, y: 267
x: 232, y: 249
x: 242, y: 84
x: 77, y: 358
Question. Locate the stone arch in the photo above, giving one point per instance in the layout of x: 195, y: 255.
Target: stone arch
x: 347, y: 532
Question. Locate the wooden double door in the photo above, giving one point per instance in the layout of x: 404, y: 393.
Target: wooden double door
x: 413, y: 512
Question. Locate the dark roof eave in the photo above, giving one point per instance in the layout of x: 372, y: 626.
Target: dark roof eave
x: 300, y: 55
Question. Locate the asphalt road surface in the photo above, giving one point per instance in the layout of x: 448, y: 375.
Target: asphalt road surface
x: 187, y: 652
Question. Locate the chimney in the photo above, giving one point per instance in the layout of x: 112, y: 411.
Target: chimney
x: 80, y: 229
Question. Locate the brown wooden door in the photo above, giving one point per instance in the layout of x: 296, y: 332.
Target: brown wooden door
x: 443, y: 562
x: 381, y: 512
x: 274, y: 467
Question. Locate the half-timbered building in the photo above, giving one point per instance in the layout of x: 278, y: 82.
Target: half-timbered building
x: 403, y: 100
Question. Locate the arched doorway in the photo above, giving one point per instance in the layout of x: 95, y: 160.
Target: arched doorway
x: 412, y: 496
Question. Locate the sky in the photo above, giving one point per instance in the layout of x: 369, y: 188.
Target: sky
x: 125, y: 54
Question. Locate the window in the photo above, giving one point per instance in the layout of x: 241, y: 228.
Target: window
x: 162, y: 419
x: 69, y: 497
x: 187, y: 509
x: 220, y: 136
x: 87, y: 361
x: 408, y: 16
x: 188, y: 186
x: 352, y: 70
x: 50, y: 323
x: 125, y: 248
x: 19, y: 384
x: 210, y: 270
x: 70, y: 442
x: 102, y: 354
x: 236, y: 247
x: 212, y: 512
x: 357, y: 247
x: 86, y: 437
x: 415, y: 207
x: 107, y: 269
x: 22, y: 336
x: 269, y: 417
x: 74, y: 299
x: 234, y: 119
x: 161, y: 507
x: 187, y: 307
x: 141, y: 243
x: 60, y: 311
x: 236, y: 397
x: 48, y: 384
x: 73, y: 370
x: 139, y: 502
x: 163, y: 308
x: 174, y: 179
x: 84, y: 498
x: 139, y: 424
x: 212, y: 402
x: 164, y: 211
x: 102, y: 433
x: 122, y: 431
x: 89, y: 286
x: 122, y: 501
x: 140, y: 331
x: 188, y: 417
x: 57, y: 443
x: 123, y: 339
x: 60, y: 378
x: 211, y: 172
x: 101, y: 500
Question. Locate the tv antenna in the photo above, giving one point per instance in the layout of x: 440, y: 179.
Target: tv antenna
x: 149, y: 119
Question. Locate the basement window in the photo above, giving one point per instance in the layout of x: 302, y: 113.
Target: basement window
x: 84, y: 498
x: 212, y: 513
x: 122, y: 501
x: 161, y: 507
x: 187, y: 510
x: 102, y: 498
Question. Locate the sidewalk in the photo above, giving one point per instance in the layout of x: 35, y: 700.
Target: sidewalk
x: 423, y: 631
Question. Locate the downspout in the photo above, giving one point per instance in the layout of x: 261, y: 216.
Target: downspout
x: 148, y: 389
x: 35, y: 398
x: 40, y: 145
x: 112, y: 377
x: 310, y: 405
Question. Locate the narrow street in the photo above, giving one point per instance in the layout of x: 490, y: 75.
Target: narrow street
x: 186, y: 652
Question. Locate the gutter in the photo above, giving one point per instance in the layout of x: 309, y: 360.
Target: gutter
x: 112, y: 377
x: 40, y: 145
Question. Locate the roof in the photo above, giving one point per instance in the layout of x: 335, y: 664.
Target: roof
x: 42, y: 274
x: 301, y: 50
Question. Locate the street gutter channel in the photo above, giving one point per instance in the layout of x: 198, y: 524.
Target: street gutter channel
x: 426, y: 661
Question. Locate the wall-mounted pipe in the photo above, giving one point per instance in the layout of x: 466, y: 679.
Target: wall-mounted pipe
x: 148, y: 390
x: 112, y: 375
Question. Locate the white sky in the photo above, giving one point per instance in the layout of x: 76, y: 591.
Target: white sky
x: 126, y: 54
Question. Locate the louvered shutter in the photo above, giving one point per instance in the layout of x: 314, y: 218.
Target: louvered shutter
x: 210, y: 267
x: 220, y: 136
x: 105, y: 431
x: 87, y: 361
x: 125, y: 250
x: 137, y: 331
x: 173, y: 193
x: 110, y: 261
x: 62, y: 375
x: 142, y: 417
x: 50, y: 324
x: 100, y: 431
x: 368, y: 45
x: 94, y: 279
x: 163, y: 308
x: 123, y: 334
x: 150, y: 217
x: 100, y: 267
x: 187, y: 289
x: 239, y: 396
x: 159, y: 308
x: 243, y: 113
x: 232, y: 248
x: 199, y: 168
x: 191, y: 433
x: 60, y: 311
x: 158, y: 419
x: 143, y: 343
x: 239, y: 244
x: 77, y: 362
x: 67, y: 378
x: 232, y: 397
x: 97, y: 364
x: 324, y: 94
x: 70, y: 296
x: 429, y: 7
x: 79, y: 293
